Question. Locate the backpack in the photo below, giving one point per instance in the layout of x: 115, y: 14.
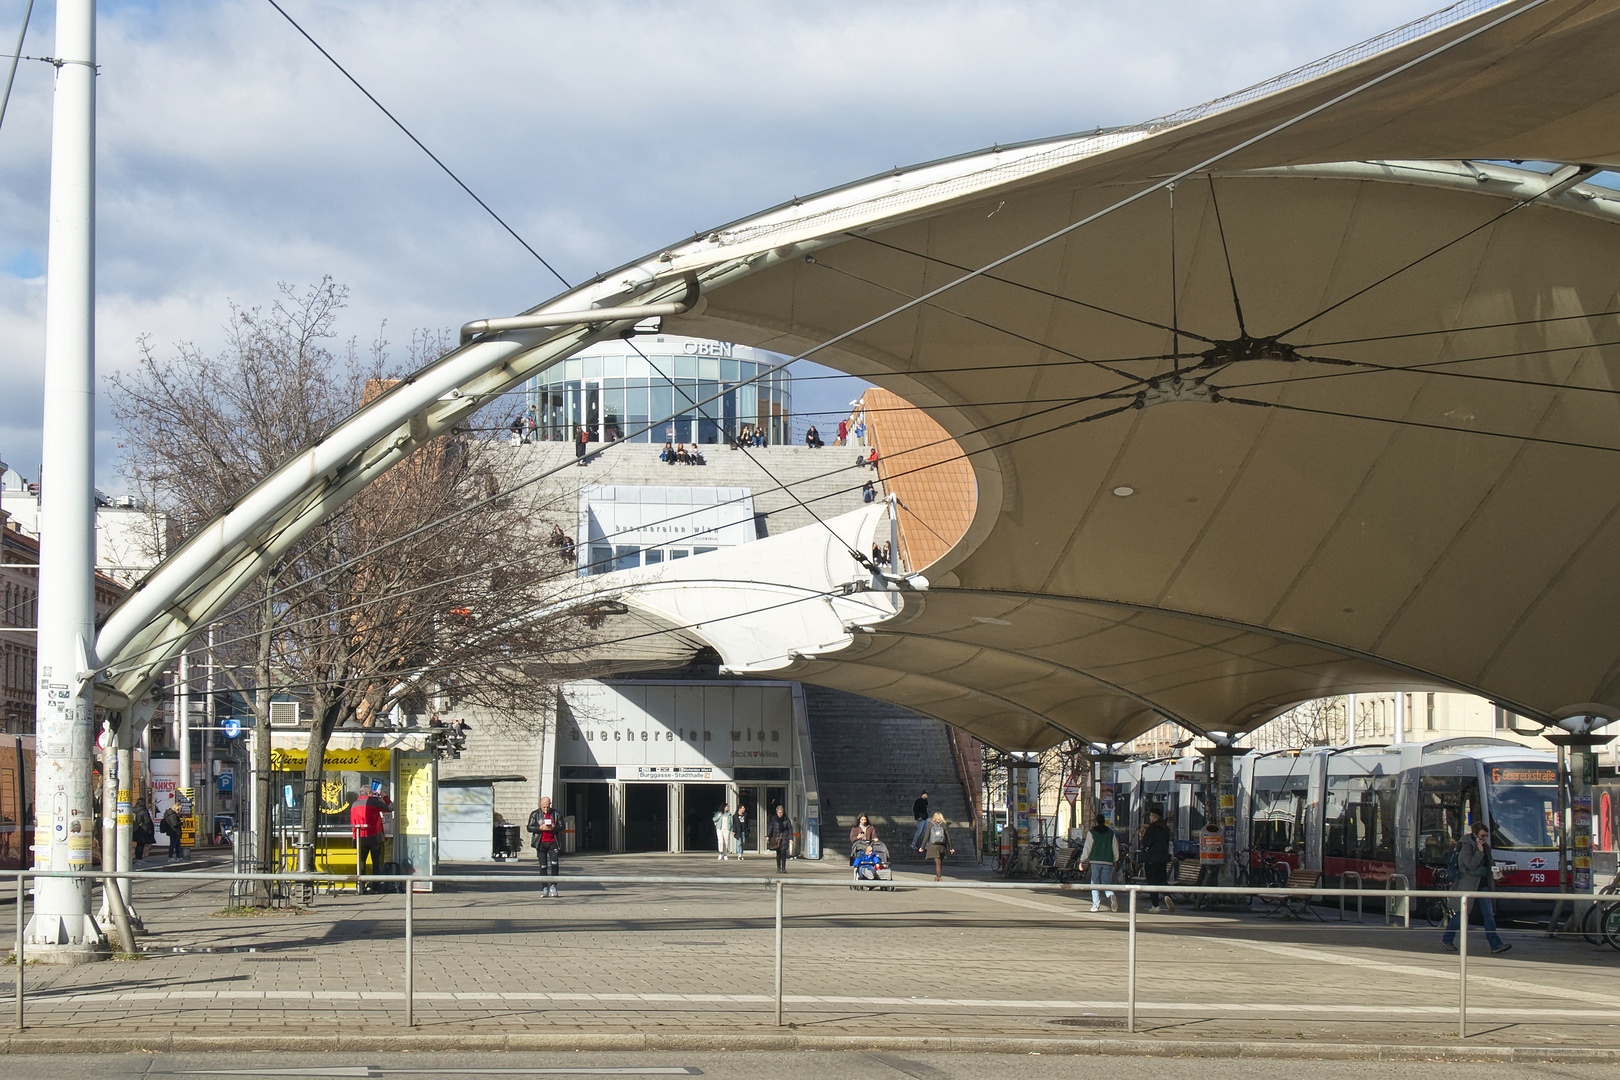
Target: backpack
x: 936, y: 834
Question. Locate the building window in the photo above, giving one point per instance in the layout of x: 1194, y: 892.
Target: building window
x: 1428, y: 721
x: 1501, y: 722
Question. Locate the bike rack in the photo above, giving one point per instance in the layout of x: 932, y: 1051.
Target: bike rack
x: 1344, y: 884
x: 1398, y: 907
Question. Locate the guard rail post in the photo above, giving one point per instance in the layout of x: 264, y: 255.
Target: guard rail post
x: 1342, y: 898
x: 410, y: 956
x: 1130, y: 966
x: 778, y: 953
x: 1462, y: 968
x: 1399, y: 907
x: 21, y: 895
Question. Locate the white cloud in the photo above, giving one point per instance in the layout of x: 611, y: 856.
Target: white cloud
x: 233, y: 156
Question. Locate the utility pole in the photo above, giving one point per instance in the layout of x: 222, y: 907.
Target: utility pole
x: 61, y: 929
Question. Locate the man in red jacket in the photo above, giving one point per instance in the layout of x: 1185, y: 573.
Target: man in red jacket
x: 366, y: 823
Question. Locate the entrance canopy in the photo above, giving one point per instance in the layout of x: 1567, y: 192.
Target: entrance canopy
x: 1336, y: 411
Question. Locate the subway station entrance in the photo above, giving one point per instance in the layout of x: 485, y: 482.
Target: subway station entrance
x: 642, y: 765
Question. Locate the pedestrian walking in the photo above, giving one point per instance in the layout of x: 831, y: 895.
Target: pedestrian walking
x: 722, y: 830
x: 939, y: 844
x: 581, y: 437
x: 366, y: 826
x: 739, y: 830
x: 141, y: 832
x: 545, y: 826
x: 1156, y: 858
x: 1100, y: 852
x: 169, y: 824
x: 1474, y: 875
x: 919, y: 811
x: 779, y: 837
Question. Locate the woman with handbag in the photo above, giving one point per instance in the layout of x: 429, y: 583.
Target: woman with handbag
x: 779, y: 837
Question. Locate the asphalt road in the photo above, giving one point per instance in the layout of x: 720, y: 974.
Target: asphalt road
x: 797, y: 1065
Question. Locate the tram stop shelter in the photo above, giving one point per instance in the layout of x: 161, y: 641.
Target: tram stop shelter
x: 1309, y: 390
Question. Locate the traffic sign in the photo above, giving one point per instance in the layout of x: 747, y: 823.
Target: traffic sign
x: 1071, y: 789
x: 232, y: 727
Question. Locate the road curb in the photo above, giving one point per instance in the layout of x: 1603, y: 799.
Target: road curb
x: 788, y: 1041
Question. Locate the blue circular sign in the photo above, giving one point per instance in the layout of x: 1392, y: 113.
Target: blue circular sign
x: 233, y: 727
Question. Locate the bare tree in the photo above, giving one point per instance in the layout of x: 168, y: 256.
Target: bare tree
x: 432, y: 584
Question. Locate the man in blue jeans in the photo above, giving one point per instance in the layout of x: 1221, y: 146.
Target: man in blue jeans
x: 919, y: 810
x: 1474, y: 866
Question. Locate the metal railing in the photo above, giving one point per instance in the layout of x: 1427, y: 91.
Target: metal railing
x: 780, y: 885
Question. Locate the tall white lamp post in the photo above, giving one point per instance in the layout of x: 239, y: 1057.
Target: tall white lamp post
x: 61, y: 929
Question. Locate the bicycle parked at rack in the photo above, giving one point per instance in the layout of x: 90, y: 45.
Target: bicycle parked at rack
x: 1438, y: 911
x: 1601, y: 923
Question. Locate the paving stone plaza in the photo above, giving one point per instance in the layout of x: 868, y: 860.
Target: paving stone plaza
x: 698, y: 959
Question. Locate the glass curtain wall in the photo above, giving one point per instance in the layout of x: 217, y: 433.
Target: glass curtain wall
x: 615, y: 394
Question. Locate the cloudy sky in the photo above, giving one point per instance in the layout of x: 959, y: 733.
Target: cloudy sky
x: 234, y: 157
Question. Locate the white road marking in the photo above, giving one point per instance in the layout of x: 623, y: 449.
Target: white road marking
x: 1267, y: 1008
x: 1322, y: 955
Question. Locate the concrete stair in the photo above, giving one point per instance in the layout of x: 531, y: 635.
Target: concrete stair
x: 827, y: 480
x: 874, y: 758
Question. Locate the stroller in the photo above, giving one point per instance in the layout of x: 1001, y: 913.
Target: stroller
x: 870, y: 863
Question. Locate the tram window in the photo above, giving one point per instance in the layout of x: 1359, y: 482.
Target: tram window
x: 1523, y: 806
x: 1447, y: 805
x: 1278, y: 815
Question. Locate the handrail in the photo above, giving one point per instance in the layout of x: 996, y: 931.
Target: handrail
x: 777, y: 884
x: 1351, y: 874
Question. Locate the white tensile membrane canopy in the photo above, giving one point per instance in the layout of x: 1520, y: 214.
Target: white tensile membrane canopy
x: 1337, y: 414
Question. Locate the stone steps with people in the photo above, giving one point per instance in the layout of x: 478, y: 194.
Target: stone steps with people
x: 875, y: 758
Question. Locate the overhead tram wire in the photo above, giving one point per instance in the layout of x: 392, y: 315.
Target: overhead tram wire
x: 1421, y: 424
x: 1007, y: 442
x: 11, y: 75
x: 1433, y: 368
x: 573, y: 570
x: 859, y: 556
x: 420, y: 145
x: 1200, y: 167
x: 1465, y: 329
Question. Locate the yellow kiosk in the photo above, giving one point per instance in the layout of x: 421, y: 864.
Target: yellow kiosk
x: 398, y: 766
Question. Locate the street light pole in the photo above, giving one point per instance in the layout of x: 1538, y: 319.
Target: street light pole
x: 61, y: 929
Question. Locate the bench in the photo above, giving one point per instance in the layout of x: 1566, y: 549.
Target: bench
x: 1290, y: 906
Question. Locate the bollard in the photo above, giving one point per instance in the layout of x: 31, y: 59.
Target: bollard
x: 410, y: 957
x: 1130, y: 968
x: 21, y: 894
x: 1462, y: 968
x: 1399, y: 907
x: 779, y: 954
x: 1344, y: 884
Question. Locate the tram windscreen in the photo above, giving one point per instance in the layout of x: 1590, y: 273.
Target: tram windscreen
x: 1523, y: 806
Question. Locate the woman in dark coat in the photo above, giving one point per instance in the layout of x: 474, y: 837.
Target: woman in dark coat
x: 779, y: 837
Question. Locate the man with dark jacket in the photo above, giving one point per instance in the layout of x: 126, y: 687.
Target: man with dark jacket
x: 1156, y: 858
x: 545, y: 831
x: 1474, y: 875
x: 919, y: 810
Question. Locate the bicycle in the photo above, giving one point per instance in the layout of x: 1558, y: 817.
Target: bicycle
x: 1601, y: 923
x: 1439, y: 910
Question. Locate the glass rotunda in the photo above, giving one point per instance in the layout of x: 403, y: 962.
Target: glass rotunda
x: 615, y: 393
